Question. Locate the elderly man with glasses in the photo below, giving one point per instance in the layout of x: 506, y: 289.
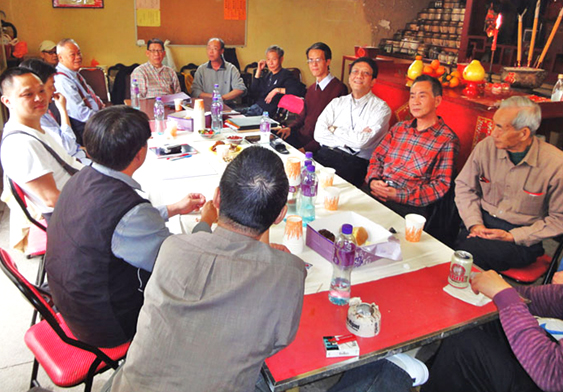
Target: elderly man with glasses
x: 350, y: 127
x: 154, y: 78
x: 48, y: 52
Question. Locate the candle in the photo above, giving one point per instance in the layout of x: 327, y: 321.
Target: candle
x: 553, y: 31
x: 495, y: 36
x: 534, y: 32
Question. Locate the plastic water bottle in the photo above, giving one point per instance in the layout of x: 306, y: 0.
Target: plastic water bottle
x: 304, y: 169
x: 557, y: 94
x: 217, y: 94
x: 292, y: 198
x: 135, y: 99
x: 342, y: 264
x: 216, y: 116
x: 159, y: 122
x: 309, y: 186
x: 309, y: 157
x: 265, y: 129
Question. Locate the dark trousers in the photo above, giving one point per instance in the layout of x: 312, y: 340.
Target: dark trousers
x: 498, y: 255
x: 350, y: 167
x: 379, y: 376
x: 478, y: 360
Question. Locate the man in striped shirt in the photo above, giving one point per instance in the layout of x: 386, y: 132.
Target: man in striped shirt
x: 413, y: 165
x: 154, y: 78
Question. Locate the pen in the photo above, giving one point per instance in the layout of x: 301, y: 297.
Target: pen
x: 179, y: 157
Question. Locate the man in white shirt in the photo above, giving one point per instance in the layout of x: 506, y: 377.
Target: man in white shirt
x: 350, y: 127
x: 24, y: 158
x: 156, y: 79
x: 82, y: 101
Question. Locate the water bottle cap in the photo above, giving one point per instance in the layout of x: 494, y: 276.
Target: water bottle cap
x: 310, y: 168
x: 265, y: 114
x: 134, y: 80
x: 216, y: 85
x: 347, y: 229
x: 309, y: 154
x: 158, y: 99
x: 308, y: 162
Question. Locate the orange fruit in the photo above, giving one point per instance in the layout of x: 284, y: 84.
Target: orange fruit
x: 449, y: 77
x: 457, y: 74
x: 435, y: 64
x: 428, y: 70
x: 440, y: 71
x: 454, y: 82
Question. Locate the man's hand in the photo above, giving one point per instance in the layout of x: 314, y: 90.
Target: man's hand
x: 382, y: 191
x: 259, y: 68
x: 209, y: 213
x: 490, y: 283
x: 192, y: 202
x: 60, y: 100
x: 271, y: 95
x: 281, y: 247
x: 490, y: 234
x: 284, y: 132
x: 366, y: 130
x: 557, y: 278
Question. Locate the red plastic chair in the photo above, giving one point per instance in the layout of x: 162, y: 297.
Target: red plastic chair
x: 292, y: 103
x: 543, y: 266
x: 66, y: 360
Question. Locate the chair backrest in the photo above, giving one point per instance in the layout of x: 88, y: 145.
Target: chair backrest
x: 19, y: 195
x: 555, y: 262
x: 112, y: 73
x: 121, y: 88
x: 37, y: 299
x: 296, y: 73
x: 292, y: 103
x: 96, y: 78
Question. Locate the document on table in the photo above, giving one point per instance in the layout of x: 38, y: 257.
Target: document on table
x: 184, y: 167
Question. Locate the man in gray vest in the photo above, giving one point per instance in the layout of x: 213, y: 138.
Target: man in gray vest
x: 103, y: 236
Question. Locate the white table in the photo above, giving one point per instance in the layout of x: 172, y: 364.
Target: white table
x: 201, y: 173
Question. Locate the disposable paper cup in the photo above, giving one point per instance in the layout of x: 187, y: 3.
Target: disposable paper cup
x: 222, y: 150
x: 414, y: 224
x: 293, y: 235
x: 332, y: 195
x: 198, y: 104
x: 327, y: 177
x: 293, y: 171
x: 178, y: 104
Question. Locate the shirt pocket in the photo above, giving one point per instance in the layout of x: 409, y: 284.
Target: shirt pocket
x: 531, y: 200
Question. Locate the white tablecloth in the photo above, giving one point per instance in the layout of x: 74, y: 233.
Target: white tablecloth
x: 166, y: 181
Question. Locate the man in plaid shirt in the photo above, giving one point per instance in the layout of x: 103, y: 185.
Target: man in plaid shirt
x: 156, y: 79
x: 413, y: 166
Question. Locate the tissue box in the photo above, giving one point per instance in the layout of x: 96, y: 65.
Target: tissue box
x: 186, y: 124
x: 324, y: 246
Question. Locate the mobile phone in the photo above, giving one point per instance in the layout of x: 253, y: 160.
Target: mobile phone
x: 175, y: 149
x: 256, y: 138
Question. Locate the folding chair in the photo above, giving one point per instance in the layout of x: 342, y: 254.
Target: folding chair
x: 96, y: 78
x: 66, y: 360
x: 543, y: 266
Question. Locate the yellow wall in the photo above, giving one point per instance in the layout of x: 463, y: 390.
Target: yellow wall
x: 108, y: 34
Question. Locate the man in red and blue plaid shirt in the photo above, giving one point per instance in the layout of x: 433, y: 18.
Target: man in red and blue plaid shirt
x: 413, y: 166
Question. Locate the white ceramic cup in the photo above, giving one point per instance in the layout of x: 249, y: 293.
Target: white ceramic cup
x: 414, y: 224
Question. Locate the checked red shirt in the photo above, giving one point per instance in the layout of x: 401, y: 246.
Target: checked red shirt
x: 420, y: 163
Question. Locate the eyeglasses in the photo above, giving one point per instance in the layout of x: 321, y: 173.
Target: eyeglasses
x: 311, y: 61
x: 156, y: 51
x: 356, y: 72
x: 52, y: 51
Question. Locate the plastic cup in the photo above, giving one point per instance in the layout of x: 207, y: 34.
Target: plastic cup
x: 178, y: 104
x: 223, y: 151
x: 332, y: 196
x: 414, y: 224
x: 293, y: 234
x: 327, y: 177
x: 293, y: 171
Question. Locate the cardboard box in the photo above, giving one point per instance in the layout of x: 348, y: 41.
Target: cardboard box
x: 186, y: 124
x: 324, y: 247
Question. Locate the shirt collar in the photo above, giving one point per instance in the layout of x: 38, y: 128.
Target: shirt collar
x: 323, y: 83
x: 532, y: 156
x: 362, y: 100
x: 155, y: 68
x: 434, y: 128
x: 63, y: 69
x: 13, y: 125
x: 117, y: 175
x: 221, y: 67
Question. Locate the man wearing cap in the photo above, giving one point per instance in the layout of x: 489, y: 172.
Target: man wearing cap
x: 48, y: 52
x: 156, y: 79
x: 82, y: 101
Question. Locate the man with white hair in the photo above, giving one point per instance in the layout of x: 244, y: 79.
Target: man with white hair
x: 510, y: 191
x: 82, y: 101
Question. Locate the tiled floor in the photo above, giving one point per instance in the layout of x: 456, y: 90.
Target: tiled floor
x: 16, y: 360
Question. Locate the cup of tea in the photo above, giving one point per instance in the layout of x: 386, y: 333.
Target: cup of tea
x: 293, y: 234
x: 414, y: 224
x: 327, y: 177
x: 332, y: 196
